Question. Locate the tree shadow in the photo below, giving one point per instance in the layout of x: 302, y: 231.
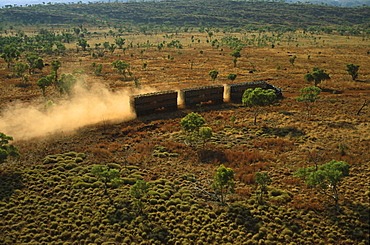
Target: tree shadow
x: 211, y: 156
x: 352, y: 213
x: 9, y: 182
x: 284, y: 131
x: 332, y: 91
x: 363, y: 81
x: 241, y: 214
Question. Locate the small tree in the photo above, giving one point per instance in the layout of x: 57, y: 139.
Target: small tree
x: 19, y: 69
x: 205, y: 134
x: 317, y: 75
x: 353, y: 70
x: 83, y: 44
x: 292, y: 60
x: 6, y: 149
x: 139, y: 191
x: 232, y: 76
x: 106, y: 175
x: 326, y: 178
x: 98, y: 70
x: 55, y: 65
x: 213, y: 75
x: 106, y: 45
x: 262, y: 180
x: 66, y: 83
x: 44, y: 82
x: 236, y: 54
x: 191, y: 125
x: 121, y: 67
x: 309, y: 95
x: 39, y: 64
x: 10, y: 53
x: 120, y: 42
x: 258, y: 98
x: 111, y: 48
x: 223, y: 182
x: 34, y: 62
x: 210, y: 34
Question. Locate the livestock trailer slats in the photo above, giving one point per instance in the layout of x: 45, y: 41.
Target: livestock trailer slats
x: 193, y: 96
x: 145, y: 104
x: 156, y: 105
x: 237, y: 89
x: 150, y: 97
x: 204, y: 98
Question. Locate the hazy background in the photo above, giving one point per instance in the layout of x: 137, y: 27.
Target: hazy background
x: 343, y: 3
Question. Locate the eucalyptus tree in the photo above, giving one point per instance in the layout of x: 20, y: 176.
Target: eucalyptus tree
x: 19, y: 68
x: 10, y: 53
x: 309, y: 95
x: 120, y: 42
x: 326, y: 178
x: 258, y: 98
x: 317, y: 75
x: 353, y: 70
x: 213, y: 74
x: 6, y: 149
x: 223, y: 182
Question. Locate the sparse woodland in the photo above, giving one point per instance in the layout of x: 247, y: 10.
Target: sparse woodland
x: 90, y: 172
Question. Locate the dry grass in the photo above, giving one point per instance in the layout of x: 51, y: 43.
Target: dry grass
x: 284, y: 139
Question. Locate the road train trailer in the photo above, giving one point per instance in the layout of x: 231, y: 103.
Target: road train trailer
x: 236, y: 90
x: 164, y: 101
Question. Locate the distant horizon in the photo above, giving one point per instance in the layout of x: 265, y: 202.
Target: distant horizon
x: 30, y: 2
x: 23, y: 3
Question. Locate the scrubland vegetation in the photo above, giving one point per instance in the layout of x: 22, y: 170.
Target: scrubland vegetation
x: 89, y: 172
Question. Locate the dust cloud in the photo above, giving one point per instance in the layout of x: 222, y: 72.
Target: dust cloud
x: 85, y: 107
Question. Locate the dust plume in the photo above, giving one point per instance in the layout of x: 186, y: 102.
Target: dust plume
x: 87, y: 106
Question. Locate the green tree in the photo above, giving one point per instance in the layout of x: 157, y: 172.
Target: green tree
x: 192, y: 122
x: 66, y: 83
x: 139, y: 191
x: 60, y: 48
x: 317, y: 75
x: 44, y: 82
x: 19, y: 68
x: 83, y: 44
x: 98, y: 70
x: 205, y: 134
x: 309, y: 95
x: 76, y: 31
x: 262, y: 180
x: 258, y: 98
x: 34, y: 62
x: 6, y: 149
x: 210, y: 34
x: 223, y: 182
x: 39, y: 64
x: 232, y: 76
x: 292, y: 59
x: 106, y: 175
x: 106, y: 45
x: 353, y: 70
x: 326, y: 178
x: 213, y: 75
x: 121, y: 67
x: 191, y: 125
x: 10, y: 53
x: 55, y: 65
x: 236, y: 54
x: 120, y: 42
x: 111, y: 48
